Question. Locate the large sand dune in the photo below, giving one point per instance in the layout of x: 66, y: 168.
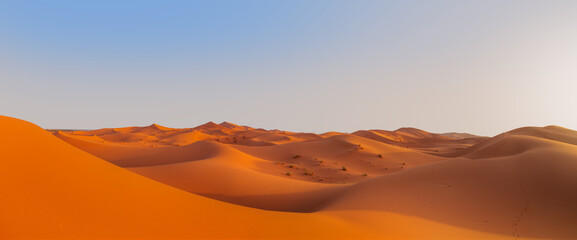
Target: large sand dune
x: 230, y: 181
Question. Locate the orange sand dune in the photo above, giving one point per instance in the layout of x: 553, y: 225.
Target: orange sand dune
x: 185, y: 138
x: 456, y: 135
x: 232, y: 177
x: 517, y: 141
x: 234, y: 126
x: 403, y: 184
x: 330, y: 134
x: 529, y: 193
x: 53, y: 190
x: 325, y: 158
x: 228, y: 133
x: 199, y: 167
x: 416, y: 138
x: 316, y: 160
x: 133, y: 156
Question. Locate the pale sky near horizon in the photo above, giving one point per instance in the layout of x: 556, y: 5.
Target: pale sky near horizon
x: 482, y: 67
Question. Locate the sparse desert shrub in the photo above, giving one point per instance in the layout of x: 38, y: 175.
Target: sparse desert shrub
x: 309, y: 172
x: 297, y: 156
x: 344, y: 168
x: 364, y: 174
x: 380, y: 155
x: 291, y: 166
x: 404, y: 164
x: 288, y: 174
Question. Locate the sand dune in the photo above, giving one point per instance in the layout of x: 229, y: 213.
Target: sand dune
x: 228, y: 133
x: 517, y: 141
x: 231, y: 177
x: 457, y: 135
x: 530, y: 193
x: 221, y: 180
x: 185, y: 138
x: 416, y: 138
x: 53, y: 190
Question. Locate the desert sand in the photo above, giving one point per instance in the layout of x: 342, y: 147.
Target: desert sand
x: 229, y: 181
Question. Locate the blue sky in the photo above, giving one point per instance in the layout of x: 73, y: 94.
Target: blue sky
x: 475, y: 66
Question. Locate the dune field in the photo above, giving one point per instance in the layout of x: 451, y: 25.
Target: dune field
x: 237, y: 182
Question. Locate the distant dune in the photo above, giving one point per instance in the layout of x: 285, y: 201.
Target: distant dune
x: 229, y: 181
x: 456, y: 135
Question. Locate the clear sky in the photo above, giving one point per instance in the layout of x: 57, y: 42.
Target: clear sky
x: 469, y: 66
